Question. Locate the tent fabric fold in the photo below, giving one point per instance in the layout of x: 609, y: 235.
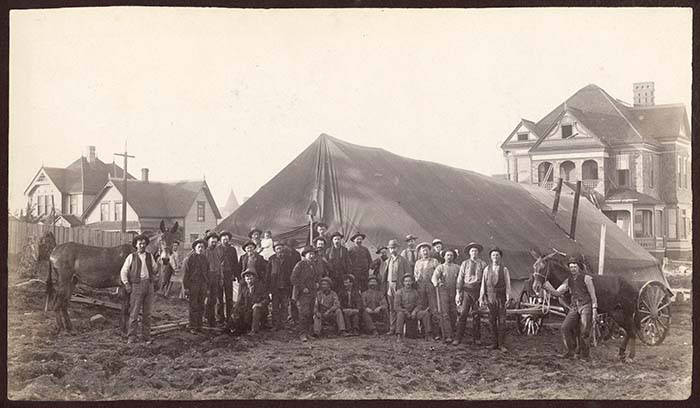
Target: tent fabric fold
x: 386, y: 196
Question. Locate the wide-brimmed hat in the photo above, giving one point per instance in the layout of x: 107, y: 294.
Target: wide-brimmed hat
x: 437, y: 241
x: 326, y: 279
x: 307, y: 249
x: 320, y: 239
x: 393, y: 244
x: 358, y: 234
x: 422, y: 244
x: 576, y: 261
x: 245, y: 244
x: 473, y: 245
x: 322, y: 224
x: 337, y: 234
x: 225, y: 234
x: 277, y: 243
x: 138, y: 238
x: 496, y: 249
x: 379, y: 250
x: 249, y: 272
x: 410, y: 237
x: 211, y: 234
x: 349, y: 276
x: 250, y: 234
x: 410, y: 275
x: 199, y: 241
x: 374, y: 278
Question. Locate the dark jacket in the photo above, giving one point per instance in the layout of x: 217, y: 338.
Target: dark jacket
x: 305, y: 275
x: 279, y: 271
x: 229, y: 261
x: 338, y: 260
x: 247, y: 298
x: 360, y: 259
x: 196, y: 271
x: 351, y: 301
x: 258, y: 264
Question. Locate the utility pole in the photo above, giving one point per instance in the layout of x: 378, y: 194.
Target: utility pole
x: 126, y: 156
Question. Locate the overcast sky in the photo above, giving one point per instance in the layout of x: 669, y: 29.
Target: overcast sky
x: 235, y: 95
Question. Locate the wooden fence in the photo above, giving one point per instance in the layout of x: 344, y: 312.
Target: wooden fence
x: 18, y: 232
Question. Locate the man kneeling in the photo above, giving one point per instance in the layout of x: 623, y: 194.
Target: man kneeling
x: 327, y: 308
x: 251, y: 306
x: 410, y: 305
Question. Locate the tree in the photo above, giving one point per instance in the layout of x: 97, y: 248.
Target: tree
x: 27, y: 215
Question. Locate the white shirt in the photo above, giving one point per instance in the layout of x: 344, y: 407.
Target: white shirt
x: 144, y: 269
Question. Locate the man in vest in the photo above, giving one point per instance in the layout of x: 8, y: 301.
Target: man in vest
x: 410, y: 252
x: 139, y: 274
x: 360, y: 259
x: 583, y: 310
x: 495, y: 291
x: 467, y: 297
x: 396, y: 267
x: 305, y: 278
x: 231, y: 270
x: 338, y: 259
x: 195, y: 283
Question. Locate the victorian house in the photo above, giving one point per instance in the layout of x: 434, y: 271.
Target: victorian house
x: 632, y: 159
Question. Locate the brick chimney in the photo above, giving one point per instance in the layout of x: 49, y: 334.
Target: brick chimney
x: 91, y: 154
x: 144, y: 174
x: 643, y: 93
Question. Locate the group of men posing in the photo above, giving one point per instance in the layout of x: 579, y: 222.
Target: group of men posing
x: 329, y: 284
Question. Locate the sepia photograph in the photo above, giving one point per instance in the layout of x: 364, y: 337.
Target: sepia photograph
x: 349, y: 204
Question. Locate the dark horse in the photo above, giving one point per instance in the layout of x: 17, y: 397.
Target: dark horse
x: 614, y: 294
x: 96, y: 267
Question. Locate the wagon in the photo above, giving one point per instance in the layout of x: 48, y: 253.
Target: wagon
x: 652, y: 317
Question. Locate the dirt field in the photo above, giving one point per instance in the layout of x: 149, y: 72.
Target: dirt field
x: 94, y: 363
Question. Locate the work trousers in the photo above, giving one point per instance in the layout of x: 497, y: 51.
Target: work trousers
x: 305, y: 307
x: 249, y: 319
x: 448, y: 311
x: 140, y: 300
x: 336, y: 317
x: 579, y: 317
x: 391, y: 293
x: 470, y: 306
x: 428, y: 291
x: 225, y: 302
x: 352, y: 319
x: 280, y: 304
x: 213, y: 291
x: 497, y: 318
x: 423, y: 316
x: 368, y: 320
x: 196, y: 308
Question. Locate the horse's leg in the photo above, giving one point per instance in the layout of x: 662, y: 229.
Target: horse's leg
x: 66, y: 318
x: 631, y: 330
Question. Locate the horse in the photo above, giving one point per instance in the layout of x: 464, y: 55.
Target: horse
x: 96, y: 267
x: 614, y: 294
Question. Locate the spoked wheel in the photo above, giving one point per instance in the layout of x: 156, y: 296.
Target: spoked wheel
x: 653, y: 317
x: 529, y: 324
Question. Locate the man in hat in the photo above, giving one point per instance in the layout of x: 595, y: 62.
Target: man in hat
x: 231, y: 270
x: 375, y: 304
x: 321, y: 262
x: 437, y: 251
x: 196, y: 283
x: 410, y: 305
x: 351, y: 304
x: 279, y: 271
x: 215, y: 277
x: 423, y: 273
x: 445, y: 281
x: 338, y: 259
x: 495, y: 290
x: 583, y: 310
x: 321, y: 232
x: 139, y: 274
x: 410, y: 252
x: 305, y: 277
x: 292, y: 257
x: 327, y: 308
x: 251, y: 306
x: 360, y: 259
x: 252, y: 260
x: 397, y: 267
x: 379, y: 264
x: 254, y: 235
x: 467, y: 297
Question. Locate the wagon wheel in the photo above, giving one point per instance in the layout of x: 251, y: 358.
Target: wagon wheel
x: 529, y: 324
x: 653, y: 316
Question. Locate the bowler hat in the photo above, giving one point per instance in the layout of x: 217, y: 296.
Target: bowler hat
x: 337, y: 234
x: 473, y: 245
x: 139, y: 238
x: 574, y: 260
x: 225, y: 234
x: 326, y: 279
x: 320, y: 239
x: 393, y: 244
x: 373, y: 277
x: 410, y: 237
x: 307, y: 249
x: 252, y: 231
x: 379, y: 250
x: 358, y: 234
x: 247, y: 243
x: 410, y: 275
x: 496, y: 249
x: 349, y: 276
x: 423, y: 244
x: 249, y: 272
x: 199, y: 241
x: 211, y: 234
x: 437, y: 241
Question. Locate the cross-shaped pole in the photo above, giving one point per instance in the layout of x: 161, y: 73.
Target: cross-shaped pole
x: 126, y: 156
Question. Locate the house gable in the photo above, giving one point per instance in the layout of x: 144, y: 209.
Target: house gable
x: 525, y: 128
x: 192, y: 224
x: 109, y: 195
x: 568, y: 132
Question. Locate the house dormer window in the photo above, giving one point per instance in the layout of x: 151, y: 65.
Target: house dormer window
x: 522, y: 137
x: 567, y: 131
x: 200, y: 211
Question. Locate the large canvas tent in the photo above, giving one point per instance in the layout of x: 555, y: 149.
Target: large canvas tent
x: 355, y: 188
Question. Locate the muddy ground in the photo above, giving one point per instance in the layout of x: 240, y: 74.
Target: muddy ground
x: 94, y: 363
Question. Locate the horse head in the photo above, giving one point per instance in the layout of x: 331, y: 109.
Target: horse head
x: 546, y: 267
x: 164, y: 236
